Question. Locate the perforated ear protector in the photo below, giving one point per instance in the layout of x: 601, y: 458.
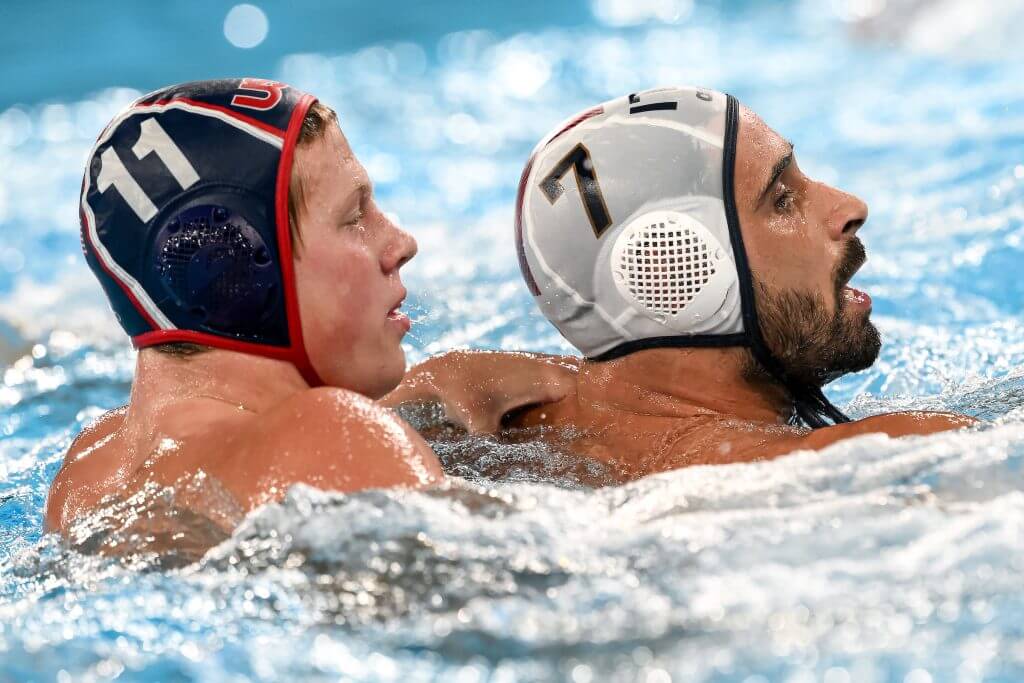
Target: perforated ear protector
x: 217, y: 269
x: 674, y: 270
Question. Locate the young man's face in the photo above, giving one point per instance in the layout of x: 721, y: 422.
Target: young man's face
x: 800, y: 238
x: 347, y: 271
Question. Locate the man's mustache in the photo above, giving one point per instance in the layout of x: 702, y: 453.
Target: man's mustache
x: 853, y: 258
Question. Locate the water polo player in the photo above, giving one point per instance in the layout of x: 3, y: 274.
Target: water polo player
x: 237, y: 239
x: 672, y: 238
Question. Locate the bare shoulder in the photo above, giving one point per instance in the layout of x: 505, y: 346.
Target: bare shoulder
x: 92, y: 438
x: 103, y: 426
x: 309, y: 416
x: 94, y: 435
x: 329, y: 438
x: 904, y: 423
x: 720, y: 442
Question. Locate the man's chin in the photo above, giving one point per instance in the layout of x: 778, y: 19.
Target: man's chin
x: 854, y: 346
x: 859, y: 350
x: 815, y: 342
x: 392, y: 371
x: 371, y: 374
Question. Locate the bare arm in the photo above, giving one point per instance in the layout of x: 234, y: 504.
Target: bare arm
x: 477, y: 388
x: 713, y: 441
x: 908, y: 423
x: 65, y: 490
x: 331, y: 439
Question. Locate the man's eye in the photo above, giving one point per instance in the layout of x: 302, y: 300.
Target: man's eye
x: 785, y: 201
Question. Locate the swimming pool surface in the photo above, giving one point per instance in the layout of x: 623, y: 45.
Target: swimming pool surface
x: 874, y: 560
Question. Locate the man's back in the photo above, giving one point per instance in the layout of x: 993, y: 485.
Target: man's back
x: 271, y: 436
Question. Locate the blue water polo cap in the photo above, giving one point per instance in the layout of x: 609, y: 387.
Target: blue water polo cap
x: 185, y: 217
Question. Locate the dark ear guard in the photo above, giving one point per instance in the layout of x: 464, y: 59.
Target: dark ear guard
x: 218, y: 269
x: 213, y: 265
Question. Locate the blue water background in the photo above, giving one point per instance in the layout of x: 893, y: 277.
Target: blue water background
x: 878, y: 560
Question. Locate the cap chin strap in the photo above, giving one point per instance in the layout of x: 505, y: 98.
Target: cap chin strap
x: 809, y: 403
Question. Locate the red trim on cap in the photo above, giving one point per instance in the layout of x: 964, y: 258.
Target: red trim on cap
x: 590, y: 113
x: 87, y: 243
x: 524, y: 266
x: 155, y: 337
x: 273, y: 130
x: 299, y: 356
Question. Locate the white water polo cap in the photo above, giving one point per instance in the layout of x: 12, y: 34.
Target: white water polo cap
x: 628, y: 235
x: 621, y: 225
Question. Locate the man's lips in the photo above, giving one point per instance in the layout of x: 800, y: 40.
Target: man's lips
x: 853, y: 259
x: 396, y: 315
x: 856, y: 297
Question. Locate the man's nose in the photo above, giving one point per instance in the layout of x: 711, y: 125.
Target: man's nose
x: 401, y: 249
x: 848, y: 215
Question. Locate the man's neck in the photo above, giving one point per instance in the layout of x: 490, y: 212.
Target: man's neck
x: 253, y: 383
x: 686, y: 383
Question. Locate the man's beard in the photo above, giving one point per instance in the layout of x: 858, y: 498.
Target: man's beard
x: 813, y: 346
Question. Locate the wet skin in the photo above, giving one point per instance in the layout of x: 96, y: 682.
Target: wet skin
x: 252, y: 423
x: 662, y: 409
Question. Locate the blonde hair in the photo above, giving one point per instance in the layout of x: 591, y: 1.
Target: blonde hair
x: 318, y: 119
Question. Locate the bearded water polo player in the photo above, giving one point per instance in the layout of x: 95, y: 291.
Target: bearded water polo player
x: 672, y: 238
x: 237, y: 239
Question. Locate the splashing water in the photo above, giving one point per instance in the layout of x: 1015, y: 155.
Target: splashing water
x: 875, y: 560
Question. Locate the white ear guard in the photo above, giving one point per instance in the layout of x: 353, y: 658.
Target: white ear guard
x: 673, y: 270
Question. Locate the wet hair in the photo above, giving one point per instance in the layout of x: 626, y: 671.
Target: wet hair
x: 318, y: 120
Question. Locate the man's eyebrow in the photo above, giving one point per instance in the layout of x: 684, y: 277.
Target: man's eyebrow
x: 777, y: 170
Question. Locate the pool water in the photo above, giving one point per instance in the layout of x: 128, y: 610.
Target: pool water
x: 874, y: 560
